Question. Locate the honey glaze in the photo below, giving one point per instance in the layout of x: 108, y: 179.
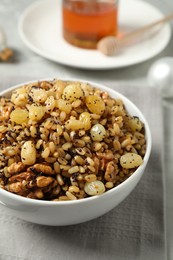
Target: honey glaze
x: 86, y: 22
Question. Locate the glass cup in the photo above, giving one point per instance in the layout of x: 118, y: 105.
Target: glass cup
x: 85, y: 22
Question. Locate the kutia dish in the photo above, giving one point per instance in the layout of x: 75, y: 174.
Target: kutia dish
x: 64, y: 142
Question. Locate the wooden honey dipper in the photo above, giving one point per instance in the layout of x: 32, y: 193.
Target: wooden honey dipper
x: 111, y: 45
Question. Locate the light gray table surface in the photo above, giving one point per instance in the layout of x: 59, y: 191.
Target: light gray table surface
x: 29, y: 65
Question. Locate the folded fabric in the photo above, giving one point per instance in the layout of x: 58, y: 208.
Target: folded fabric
x: 133, y: 230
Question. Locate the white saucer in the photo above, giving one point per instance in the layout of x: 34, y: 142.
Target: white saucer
x: 40, y: 28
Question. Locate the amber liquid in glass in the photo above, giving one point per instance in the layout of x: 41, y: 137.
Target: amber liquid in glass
x: 85, y: 23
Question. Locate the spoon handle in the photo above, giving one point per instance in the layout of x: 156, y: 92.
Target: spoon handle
x: 140, y: 31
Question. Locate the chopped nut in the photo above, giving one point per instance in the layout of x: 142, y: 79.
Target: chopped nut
x: 6, y: 54
x: 22, y: 176
x: 16, y: 168
x: 111, y: 171
x: 39, y: 194
x: 96, y: 164
x: 43, y: 181
x: 42, y: 168
x: 14, y: 187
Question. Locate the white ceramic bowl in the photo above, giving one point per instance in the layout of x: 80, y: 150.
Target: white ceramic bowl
x: 74, y: 212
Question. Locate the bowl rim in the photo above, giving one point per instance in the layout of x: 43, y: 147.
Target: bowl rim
x: 141, y: 168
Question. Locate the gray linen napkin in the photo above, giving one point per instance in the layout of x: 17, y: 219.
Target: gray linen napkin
x: 133, y: 230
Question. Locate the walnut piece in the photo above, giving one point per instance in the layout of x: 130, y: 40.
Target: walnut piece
x: 111, y: 171
x: 27, y: 176
x: 16, y: 168
x: 42, y: 168
x: 43, y: 181
x: 6, y: 54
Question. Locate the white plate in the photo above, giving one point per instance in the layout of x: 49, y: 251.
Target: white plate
x: 40, y: 28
